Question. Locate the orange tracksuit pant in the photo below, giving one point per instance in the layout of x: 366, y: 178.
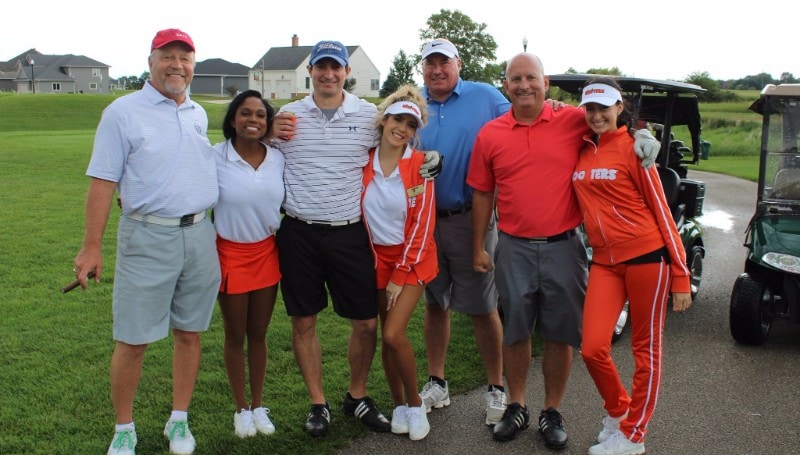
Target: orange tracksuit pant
x: 646, y: 286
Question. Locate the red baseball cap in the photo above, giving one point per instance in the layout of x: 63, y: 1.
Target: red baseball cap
x: 170, y: 35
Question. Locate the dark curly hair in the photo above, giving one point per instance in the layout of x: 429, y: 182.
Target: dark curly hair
x: 228, y: 129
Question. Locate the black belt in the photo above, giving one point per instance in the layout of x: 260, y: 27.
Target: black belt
x: 553, y: 238
x: 444, y: 213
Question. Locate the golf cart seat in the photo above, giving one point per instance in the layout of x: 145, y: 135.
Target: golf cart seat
x: 671, y: 182
x: 787, y: 184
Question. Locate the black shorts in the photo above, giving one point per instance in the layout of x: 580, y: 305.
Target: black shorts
x: 313, y: 256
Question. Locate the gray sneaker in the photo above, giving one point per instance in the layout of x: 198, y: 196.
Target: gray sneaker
x: 495, y: 405
x: 435, y: 396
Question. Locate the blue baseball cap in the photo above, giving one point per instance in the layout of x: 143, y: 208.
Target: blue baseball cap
x: 329, y: 49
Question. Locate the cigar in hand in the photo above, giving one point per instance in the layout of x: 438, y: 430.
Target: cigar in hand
x: 77, y: 283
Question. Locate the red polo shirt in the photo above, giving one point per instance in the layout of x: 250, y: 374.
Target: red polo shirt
x: 531, y: 167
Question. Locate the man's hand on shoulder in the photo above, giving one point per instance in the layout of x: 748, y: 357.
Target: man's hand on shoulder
x: 432, y: 166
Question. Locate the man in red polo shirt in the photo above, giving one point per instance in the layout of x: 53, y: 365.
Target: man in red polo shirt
x: 527, y: 156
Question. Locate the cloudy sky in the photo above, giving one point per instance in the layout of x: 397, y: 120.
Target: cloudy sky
x: 662, y: 40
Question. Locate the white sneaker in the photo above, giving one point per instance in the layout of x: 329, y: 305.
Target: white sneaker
x: 243, y: 424
x: 418, y: 426
x: 435, y: 396
x: 617, y: 444
x: 400, y: 420
x: 495, y: 406
x: 181, y: 441
x: 610, y: 426
x: 263, y: 424
x: 124, y: 443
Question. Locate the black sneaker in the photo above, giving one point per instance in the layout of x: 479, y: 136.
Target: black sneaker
x: 319, y: 417
x: 514, y: 418
x: 366, y: 411
x: 551, y: 425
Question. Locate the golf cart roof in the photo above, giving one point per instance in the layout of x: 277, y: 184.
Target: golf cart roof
x: 772, y: 90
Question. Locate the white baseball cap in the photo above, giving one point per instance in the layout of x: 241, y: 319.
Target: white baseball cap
x: 439, y: 46
x: 602, y: 94
x: 404, y: 107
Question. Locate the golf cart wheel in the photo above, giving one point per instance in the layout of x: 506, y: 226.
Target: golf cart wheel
x: 622, y: 322
x: 695, y: 263
x: 751, y: 303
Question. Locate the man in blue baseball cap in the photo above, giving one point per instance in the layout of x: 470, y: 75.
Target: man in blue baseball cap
x: 330, y: 49
x: 330, y: 249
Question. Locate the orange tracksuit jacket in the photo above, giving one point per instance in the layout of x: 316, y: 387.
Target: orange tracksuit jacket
x: 626, y: 216
x: 420, y: 220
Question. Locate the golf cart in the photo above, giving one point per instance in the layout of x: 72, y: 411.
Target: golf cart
x: 769, y: 288
x: 670, y: 108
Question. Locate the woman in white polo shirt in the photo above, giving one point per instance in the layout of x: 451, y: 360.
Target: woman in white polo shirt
x: 400, y: 213
x: 250, y: 175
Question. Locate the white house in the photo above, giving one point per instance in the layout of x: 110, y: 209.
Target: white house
x: 282, y: 72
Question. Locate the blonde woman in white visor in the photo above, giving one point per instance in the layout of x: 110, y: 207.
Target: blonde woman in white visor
x: 399, y: 210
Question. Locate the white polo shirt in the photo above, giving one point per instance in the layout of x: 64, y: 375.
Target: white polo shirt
x: 158, y: 153
x: 385, y: 204
x: 249, y: 199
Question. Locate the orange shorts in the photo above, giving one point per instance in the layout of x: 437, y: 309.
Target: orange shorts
x: 388, y: 255
x: 247, y: 267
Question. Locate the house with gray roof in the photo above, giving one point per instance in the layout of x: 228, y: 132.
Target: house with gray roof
x: 219, y: 77
x: 282, y: 72
x: 34, y: 72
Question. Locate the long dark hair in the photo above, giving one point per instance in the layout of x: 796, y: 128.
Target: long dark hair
x: 228, y: 129
x: 626, y: 116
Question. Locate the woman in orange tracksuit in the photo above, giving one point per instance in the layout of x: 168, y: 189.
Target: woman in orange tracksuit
x: 399, y: 212
x: 636, y: 254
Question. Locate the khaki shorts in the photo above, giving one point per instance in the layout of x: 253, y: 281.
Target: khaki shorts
x: 166, y: 277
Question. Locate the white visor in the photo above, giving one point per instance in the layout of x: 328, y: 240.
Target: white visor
x: 404, y: 107
x: 603, y: 94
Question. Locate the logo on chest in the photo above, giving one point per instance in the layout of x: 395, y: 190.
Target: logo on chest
x: 596, y: 174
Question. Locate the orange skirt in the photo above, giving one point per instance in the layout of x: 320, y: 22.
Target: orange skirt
x: 247, y: 267
x: 388, y: 255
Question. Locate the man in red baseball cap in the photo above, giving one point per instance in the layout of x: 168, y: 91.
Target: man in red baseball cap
x: 171, y: 35
x: 152, y: 147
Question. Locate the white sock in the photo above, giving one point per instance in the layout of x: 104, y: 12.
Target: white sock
x: 179, y: 415
x: 125, y: 426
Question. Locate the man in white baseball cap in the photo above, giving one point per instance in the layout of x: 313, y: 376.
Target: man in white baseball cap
x: 439, y: 46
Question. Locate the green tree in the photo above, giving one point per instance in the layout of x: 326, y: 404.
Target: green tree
x: 349, y: 84
x: 401, y: 72
x: 138, y: 83
x: 713, y: 91
x: 476, y: 48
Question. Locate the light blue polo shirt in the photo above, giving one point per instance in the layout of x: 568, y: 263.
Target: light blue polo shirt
x: 158, y: 153
x: 451, y: 129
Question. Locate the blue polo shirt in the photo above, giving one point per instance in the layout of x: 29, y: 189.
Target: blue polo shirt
x: 451, y: 129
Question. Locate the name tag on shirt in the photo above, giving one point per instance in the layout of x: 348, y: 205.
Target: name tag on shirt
x: 416, y: 190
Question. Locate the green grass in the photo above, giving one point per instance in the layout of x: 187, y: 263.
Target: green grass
x: 745, y: 166
x: 56, y: 348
